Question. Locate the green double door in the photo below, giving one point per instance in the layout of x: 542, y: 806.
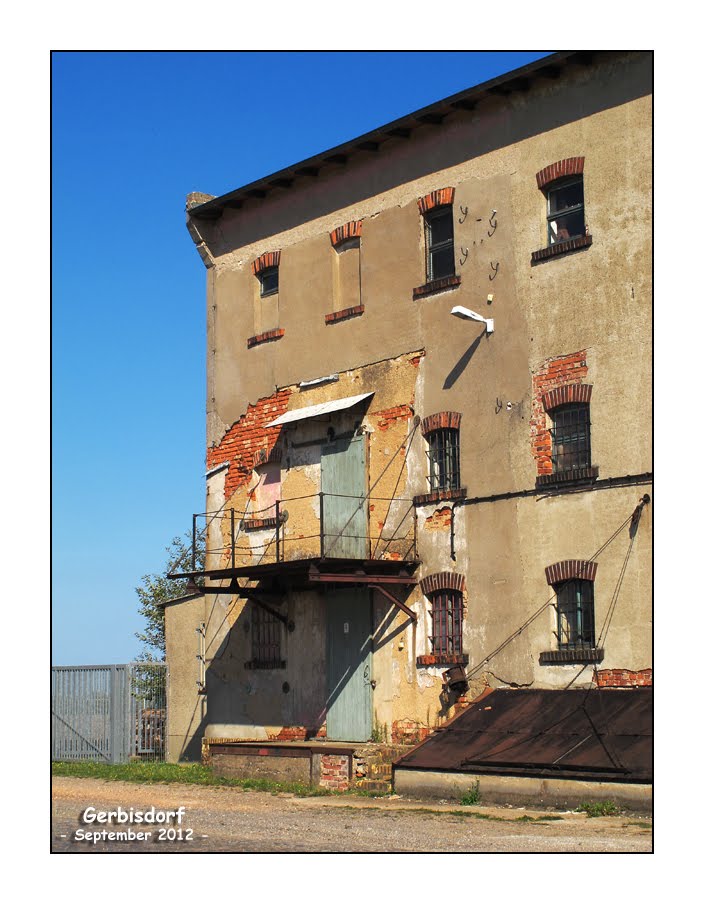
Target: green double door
x: 345, y: 511
x: 349, y: 665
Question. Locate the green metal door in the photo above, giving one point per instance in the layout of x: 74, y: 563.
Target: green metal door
x: 344, y: 486
x: 349, y: 665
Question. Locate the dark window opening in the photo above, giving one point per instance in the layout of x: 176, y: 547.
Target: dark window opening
x: 571, y: 443
x: 447, y: 622
x: 575, y: 614
x: 566, y: 211
x: 269, y: 281
x: 266, y: 636
x: 439, y: 239
x: 444, y: 459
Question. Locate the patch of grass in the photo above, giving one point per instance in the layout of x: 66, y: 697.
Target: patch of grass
x: 472, y: 796
x: 549, y: 817
x: 188, y: 774
x: 599, y: 808
x: 640, y: 825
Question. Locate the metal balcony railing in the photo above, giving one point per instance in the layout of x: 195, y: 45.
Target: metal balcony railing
x: 317, y: 526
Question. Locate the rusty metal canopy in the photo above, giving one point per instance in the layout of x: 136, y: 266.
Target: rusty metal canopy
x: 319, y: 410
x: 604, y: 735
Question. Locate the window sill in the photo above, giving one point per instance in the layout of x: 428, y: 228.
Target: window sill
x: 268, y: 336
x: 260, y: 664
x: 568, y: 478
x: 440, y: 496
x: 336, y: 316
x: 559, y: 248
x: 443, y: 659
x: 436, y: 285
x: 558, y: 657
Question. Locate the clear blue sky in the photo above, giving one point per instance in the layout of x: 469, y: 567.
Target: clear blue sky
x: 132, y: 134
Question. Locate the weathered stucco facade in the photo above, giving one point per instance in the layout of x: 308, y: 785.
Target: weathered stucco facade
x: 355, y: 314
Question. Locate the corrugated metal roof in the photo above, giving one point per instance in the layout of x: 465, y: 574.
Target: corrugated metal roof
x: 301, y: 414
x: 605, y: 735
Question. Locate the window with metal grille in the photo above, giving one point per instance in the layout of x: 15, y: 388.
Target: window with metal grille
x: 575, y: 614
x: 439, y: 242
x: 571, y: 443
x: 566, y: 211
x: 447, y: 622
x: 269, y: 281
x: 444, y: 459
x: 266, y: 636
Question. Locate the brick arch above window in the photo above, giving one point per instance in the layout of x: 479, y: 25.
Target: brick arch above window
x: 438, y: 198
x: 570, y: 166
x: 351, y: 230
x: 442, y: 420
x: 442, y: 580
x: 570, y: 569
x: 265, y: 261
x: 567, y: 394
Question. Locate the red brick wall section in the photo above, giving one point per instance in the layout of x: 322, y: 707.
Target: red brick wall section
x: 386, y: 417
x: 624, y: 678
x: 352, y: 230
x: 570, y: 568
x: 440, y: 421
x: 440, y: 519
x: 442, y: 580
x: 335, y: 772
x: 438, y: 198
x: 289, y: 733
x: 553, y: 374
x: 266, y: 260
x: 408, y: 731
x: 242, y: 444
x: 572, y: 166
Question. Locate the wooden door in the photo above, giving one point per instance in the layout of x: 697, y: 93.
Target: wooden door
x: 345, y: 509
x: 349, y: 665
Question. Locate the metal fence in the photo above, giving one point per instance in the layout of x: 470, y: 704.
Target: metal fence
x: 110, y: 713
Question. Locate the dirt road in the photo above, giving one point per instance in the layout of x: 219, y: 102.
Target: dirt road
x: 230, y: 819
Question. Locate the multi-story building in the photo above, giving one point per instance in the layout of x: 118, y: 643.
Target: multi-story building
x: 428, y: 417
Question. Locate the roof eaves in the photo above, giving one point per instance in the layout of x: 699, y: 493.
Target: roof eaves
x: 434, y: 114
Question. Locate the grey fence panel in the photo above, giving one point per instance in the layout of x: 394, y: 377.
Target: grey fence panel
x: 108, y: 713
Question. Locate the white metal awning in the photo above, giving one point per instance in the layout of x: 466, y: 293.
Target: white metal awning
x: 300, y: 414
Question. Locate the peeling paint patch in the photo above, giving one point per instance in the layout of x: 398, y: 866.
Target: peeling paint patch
x: 439, y: 520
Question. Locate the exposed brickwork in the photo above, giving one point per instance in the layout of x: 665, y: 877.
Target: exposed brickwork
x: 571, y: 166
x: 581, y: 241
x: 579, y: 654
x: 442, y: 659
x: 336, y: 316
x: 570, y: 568
x: 387, y: 416
x: 624, y: 678
x: 443, y: 420
x: 439, y: 496
x: 408, y: 731
x: 258, y: 524
x: 438, y: 198
x: 567, y: 394
x: 242, y: 444
x: 436, y: 285
x: 268, y: 336
x: 265, y: 261
x: 335, y: 772
x: 351, y: 230
x: 553, y: 374
x: 440, y: 519
x: 442, y: 580
x: 289, y: 733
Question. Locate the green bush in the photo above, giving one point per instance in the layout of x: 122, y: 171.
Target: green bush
x: 599, y: 808
x: 472, y: 796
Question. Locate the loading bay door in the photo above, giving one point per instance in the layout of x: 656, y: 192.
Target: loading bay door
x: 349, y: 665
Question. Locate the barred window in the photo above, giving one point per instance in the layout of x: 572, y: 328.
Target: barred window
x: 266, y: 636
x: 447, y: 622
x: 575, y: 614
x: 444, y: 459
x: 439, y: 241
x: 571, y: 443
x: 566, y: 211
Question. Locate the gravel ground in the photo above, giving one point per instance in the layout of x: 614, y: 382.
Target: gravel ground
x: 230, y: 819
